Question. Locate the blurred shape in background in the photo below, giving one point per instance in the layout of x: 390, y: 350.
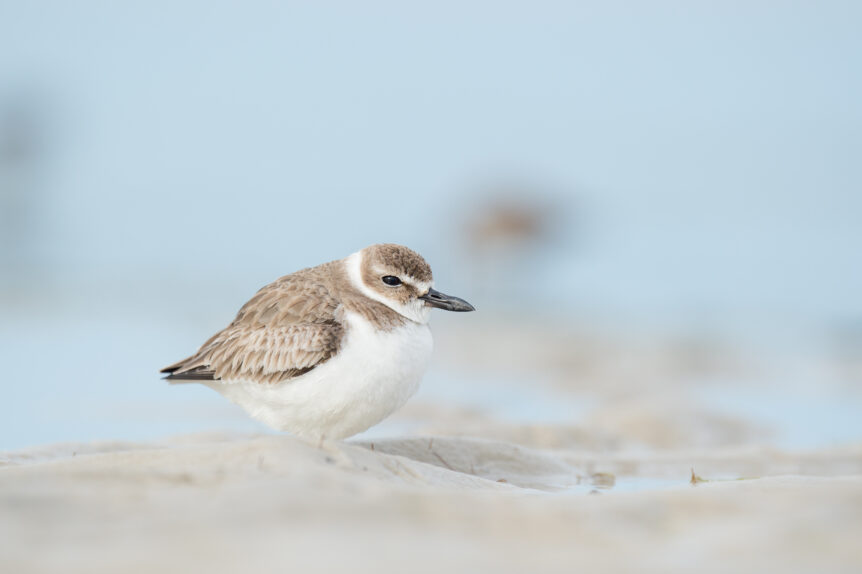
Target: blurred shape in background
x: 846, y: 349
x: 514, y: 233
x: 23, y: 142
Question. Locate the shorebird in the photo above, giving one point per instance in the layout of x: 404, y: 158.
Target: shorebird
x: 329, y: 351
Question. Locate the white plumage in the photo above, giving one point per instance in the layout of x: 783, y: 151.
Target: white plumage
x: 372, y: 375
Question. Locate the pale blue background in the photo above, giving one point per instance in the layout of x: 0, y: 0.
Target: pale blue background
x: 181, y: 154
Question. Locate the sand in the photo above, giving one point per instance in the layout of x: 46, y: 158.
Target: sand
x: 273, y: 503
x: 561, y: 453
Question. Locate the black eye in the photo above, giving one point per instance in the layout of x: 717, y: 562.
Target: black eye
x: 391, y: 280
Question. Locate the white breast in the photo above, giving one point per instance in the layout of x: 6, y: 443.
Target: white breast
x: 371, y: 376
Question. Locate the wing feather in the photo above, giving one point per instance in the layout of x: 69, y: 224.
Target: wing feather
x: 288, y: 328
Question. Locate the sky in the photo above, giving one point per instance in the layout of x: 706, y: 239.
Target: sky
x: 712, y: 147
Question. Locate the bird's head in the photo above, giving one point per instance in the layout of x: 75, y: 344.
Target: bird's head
x: 401, y: 279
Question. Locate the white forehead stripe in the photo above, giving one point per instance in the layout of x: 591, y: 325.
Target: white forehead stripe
x: 421, y: 286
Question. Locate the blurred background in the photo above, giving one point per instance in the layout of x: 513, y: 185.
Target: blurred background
x: 655, y: 208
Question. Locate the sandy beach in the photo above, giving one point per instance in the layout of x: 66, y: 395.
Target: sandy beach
x: 426, y: 504
x: 622, y: 454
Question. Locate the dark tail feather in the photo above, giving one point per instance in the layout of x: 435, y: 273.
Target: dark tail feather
x: 190, y: 376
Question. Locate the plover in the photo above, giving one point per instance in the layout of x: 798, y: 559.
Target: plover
x: 329, y: 351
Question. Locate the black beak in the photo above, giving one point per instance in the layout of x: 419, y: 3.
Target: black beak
x: 437, y: 299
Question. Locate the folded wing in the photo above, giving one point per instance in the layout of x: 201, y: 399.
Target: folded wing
x: 287, y: 329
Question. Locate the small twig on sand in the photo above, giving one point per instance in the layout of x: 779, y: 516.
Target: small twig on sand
x: 695, y: 479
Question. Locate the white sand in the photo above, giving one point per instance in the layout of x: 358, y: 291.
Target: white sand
x: 273, y: 503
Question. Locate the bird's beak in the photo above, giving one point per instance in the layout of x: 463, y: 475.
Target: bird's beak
x: 437, y: 299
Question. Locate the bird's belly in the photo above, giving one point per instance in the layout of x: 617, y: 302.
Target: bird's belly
x: 372, y: 375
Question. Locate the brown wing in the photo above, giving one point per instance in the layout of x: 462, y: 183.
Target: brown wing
x: 288, y: 328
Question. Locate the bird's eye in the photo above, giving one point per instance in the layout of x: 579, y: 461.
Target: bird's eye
x: 391, y: 280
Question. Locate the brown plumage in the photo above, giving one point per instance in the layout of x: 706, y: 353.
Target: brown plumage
x: 295, y: 323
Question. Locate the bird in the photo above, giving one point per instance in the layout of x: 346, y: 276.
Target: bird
x: 329, y: 351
